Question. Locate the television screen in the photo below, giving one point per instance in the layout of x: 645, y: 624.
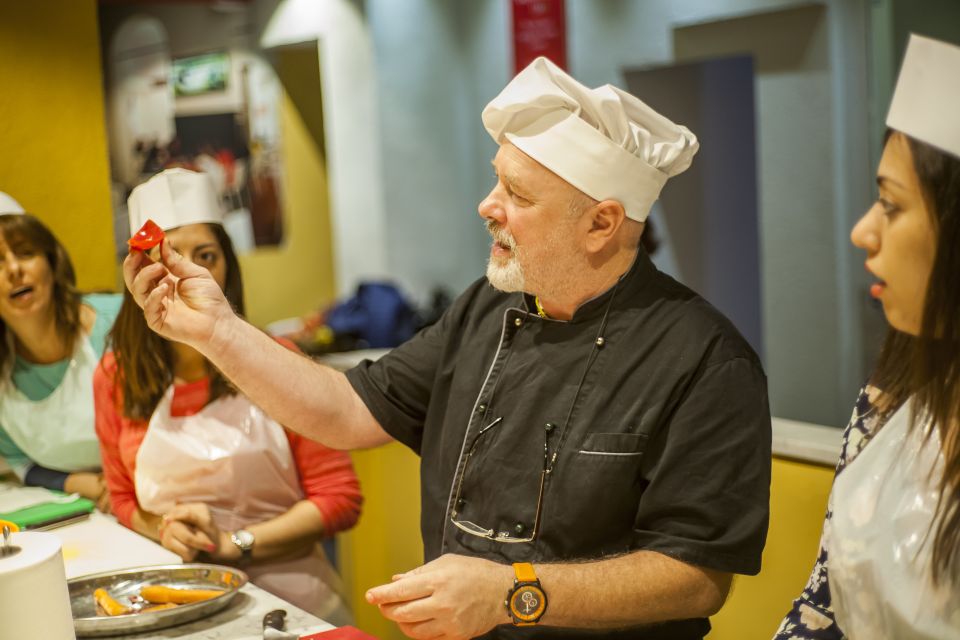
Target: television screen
x: 200, y: 74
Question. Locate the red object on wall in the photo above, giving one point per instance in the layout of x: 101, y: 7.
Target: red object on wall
x: 539, y: 29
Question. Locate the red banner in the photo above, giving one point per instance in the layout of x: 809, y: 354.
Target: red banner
x: 539, y: 29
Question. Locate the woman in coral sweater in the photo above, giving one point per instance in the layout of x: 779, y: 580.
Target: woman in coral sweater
x: 191, y: 462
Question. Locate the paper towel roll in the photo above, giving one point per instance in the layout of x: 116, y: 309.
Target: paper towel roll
x: 34, y: 602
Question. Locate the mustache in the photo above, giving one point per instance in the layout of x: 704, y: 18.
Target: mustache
x: 499, y: 235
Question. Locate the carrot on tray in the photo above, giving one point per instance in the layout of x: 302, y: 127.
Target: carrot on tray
x: 107, y: 605
x: 160, y: 594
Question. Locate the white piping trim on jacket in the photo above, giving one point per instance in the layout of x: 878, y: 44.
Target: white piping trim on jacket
x: 453, y: 482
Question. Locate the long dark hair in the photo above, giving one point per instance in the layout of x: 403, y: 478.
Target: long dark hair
x: 927, y: 366
x: 145, y: 360
x: 23, y: 232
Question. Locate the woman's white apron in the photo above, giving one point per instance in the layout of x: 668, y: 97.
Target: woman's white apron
x: 234, y: 458
x: 879, y: 540
x: 58, y: 431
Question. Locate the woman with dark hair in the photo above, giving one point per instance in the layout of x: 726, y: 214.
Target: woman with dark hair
x: 889, y: 564
x: 191, y: 462
x: 51, y: 337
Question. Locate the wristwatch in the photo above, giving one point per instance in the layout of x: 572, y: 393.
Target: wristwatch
x: 244, y: 541
x: 526, y: 602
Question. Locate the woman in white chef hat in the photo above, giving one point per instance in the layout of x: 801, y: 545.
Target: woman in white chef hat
x: 51, y: 337
x: 194, y: 464
x: 889, y: 564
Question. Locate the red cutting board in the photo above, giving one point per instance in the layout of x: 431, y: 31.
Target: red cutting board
x: 340, y: 633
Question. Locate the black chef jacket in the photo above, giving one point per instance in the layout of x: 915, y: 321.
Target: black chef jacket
x: 652, y: 403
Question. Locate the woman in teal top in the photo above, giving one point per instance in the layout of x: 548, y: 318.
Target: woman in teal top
x: 51, y: 339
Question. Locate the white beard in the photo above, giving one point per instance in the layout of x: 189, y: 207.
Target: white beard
x: 505, y: 275
x: 549, y: 279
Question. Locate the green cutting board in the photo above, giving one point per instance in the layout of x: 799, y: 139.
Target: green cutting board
x: 49, y: 513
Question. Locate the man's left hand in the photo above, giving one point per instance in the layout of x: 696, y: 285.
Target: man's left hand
x: 452, y: 597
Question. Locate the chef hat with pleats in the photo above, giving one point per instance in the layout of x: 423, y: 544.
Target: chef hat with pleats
x: 9, y: 205
x: 603, y: 141
x: 174, y: 198
x: 926, y: 101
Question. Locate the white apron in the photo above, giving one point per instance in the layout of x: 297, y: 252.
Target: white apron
x: 878, y: 547
x: 235, y: 459
x: 57, y: 432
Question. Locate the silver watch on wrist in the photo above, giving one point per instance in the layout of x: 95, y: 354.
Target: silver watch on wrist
x: 244, y: 541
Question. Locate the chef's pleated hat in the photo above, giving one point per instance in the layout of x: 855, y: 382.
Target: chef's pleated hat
x: 9, y: 205
x: 603, y: 141
x: 926, y: 101
x: 174, y: 198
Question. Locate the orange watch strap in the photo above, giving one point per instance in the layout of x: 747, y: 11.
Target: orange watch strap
x: 525, y: 572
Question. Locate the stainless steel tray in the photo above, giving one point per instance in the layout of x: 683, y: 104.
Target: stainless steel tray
x: 121, y: 584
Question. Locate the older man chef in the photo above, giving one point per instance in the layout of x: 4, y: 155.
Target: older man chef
x: 595, y: 437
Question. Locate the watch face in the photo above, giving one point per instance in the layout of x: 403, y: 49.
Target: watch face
x: 243, y: 539
x: 527, y: 603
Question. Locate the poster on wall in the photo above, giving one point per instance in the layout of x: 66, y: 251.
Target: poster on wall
x: 219, y: 145
x: 539, y: 29
x: 217, y: 112
x: 196, y: 75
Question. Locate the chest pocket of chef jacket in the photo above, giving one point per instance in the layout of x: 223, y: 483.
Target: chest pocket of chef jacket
x: 606, y: 470
x: 614, y: 445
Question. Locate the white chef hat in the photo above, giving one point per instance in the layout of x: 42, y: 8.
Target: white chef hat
x: 603, y: 141
x: 926, y: 101
x: 9, y: 205
x: 174, y: 198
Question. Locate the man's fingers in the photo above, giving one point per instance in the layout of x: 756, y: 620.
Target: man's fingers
x: 403, y: 590
x: 420, y: 569
x: 154, y: 307
x: 415, y: 571
x: 428, y: 630
x: 146, y: 280
x: 413, y: 611
x: 177, y: 265
x: 132, y: 264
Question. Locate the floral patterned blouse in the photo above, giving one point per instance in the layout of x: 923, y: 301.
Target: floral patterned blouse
x: 811, y: 617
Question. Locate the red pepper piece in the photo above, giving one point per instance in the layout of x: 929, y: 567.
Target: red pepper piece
x: 147, y: 237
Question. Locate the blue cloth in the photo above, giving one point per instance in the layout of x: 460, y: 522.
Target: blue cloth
x: 37, y: 381
x: 378, y: 315
x: 39, y: 476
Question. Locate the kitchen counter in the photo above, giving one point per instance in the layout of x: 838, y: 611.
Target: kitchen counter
x: 805, y: 442
x: 100, y: 544
x: 241, y: 620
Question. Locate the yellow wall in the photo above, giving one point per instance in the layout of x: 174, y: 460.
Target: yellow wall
x: 798, y: 502
x: 54, y: 158
x: 297, y: 277
x: 387, y: 540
